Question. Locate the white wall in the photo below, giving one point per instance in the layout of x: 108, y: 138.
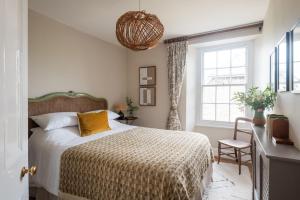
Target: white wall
x: 280, y: 17
x: 63, y: 59
x: 150, y: 116
x: 156, y: 116
x: 190, y: 90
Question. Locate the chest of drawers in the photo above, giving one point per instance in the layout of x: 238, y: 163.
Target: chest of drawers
x: 276, y: 169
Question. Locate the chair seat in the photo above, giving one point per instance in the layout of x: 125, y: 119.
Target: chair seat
x: 235, y: 143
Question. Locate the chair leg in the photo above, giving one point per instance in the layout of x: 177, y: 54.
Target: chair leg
x: 219, y: 152
x: 239, y: 160
x: 235, y: 154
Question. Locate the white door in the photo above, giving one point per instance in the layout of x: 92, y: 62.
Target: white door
x: 13, y: 99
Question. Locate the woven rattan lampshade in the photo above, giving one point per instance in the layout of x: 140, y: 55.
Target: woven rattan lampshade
x: 138, y: 30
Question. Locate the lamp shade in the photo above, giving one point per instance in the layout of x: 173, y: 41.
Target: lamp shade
x: 138, y: 30
x: 120, y: 107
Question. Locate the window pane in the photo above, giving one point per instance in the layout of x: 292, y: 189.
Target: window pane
x: 223, y: 71
x: 222, y: 80
x: 238, y: 80
x: 238, y: 57
x: 222, y: 112
x: 238, y: 71
x: 209, y: 76
x: 223, y: 94
x: 208, y: 112
x: 236, y: 111
x: 235, y: 89
x: 223, y: 58
x: 208, y: 95
x: 210, y: 59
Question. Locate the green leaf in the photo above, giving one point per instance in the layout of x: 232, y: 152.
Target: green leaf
x: 256, y: 99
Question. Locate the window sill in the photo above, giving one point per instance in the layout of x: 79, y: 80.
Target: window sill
x: 224, y: 125
x: 214, y: 124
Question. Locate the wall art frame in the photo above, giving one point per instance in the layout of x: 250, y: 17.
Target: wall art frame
x: 273, y: 70
x: 295, y: 58
x: 283, y: 64
x: 147, y: 76
x: 147, y: 96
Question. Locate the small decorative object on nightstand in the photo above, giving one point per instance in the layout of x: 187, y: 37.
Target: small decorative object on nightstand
x: 128, y: 120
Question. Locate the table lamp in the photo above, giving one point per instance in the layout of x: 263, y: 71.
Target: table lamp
x: 119, y: 107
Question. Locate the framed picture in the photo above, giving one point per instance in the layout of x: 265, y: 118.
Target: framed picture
x: 283, y: 65
x: 147, y: 76
x: 273, y: 71
x: 147, y: 96
x: 295, y: 58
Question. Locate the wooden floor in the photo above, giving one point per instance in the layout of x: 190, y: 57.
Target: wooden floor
x: 228, y: 160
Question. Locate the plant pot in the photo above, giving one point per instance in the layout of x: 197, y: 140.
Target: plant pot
x: 130, y: 113
x: 259, y: 118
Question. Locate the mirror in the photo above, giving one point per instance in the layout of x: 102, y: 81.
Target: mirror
x: 296, y: 58
x: 283, y: 64
x: 273, y: 70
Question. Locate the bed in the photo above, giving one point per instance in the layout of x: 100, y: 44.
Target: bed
x: 126, y: 162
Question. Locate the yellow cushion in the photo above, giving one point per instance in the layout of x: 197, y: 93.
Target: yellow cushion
x: 91, y: 123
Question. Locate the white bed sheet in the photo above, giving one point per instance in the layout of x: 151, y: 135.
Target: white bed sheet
x: 46, y: 148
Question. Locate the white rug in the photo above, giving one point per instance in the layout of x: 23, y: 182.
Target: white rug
x: 227, y: 184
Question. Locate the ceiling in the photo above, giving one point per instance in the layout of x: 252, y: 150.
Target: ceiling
x: 180, y: 17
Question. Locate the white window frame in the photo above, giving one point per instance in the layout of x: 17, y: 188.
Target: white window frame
x: 250, y: 65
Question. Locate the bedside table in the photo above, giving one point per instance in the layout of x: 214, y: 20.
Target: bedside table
x: 127, y: 120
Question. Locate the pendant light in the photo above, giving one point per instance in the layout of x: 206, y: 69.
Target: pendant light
x: 138, y: 30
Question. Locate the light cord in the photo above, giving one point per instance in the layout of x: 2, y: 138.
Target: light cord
x: 139, y: 5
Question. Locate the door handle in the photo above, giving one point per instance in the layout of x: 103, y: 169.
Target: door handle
x: 32, y: 171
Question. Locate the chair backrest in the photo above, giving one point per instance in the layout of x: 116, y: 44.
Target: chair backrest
x: 238, y: 130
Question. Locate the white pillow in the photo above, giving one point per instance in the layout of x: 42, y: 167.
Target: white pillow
x: 111, y: 114
x: 57, y: 120
x: 113, y: 124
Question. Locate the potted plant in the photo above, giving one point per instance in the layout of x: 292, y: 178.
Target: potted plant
x: 258, y: 101
x: 131, y: 107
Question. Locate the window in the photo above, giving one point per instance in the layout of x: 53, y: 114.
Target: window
x: 224, y: 71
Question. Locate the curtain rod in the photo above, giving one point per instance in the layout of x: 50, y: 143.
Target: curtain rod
x: 258, y: 25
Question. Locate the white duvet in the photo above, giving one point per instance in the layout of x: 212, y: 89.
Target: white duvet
x: 46, y: 148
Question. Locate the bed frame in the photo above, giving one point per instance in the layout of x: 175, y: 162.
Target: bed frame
x: 63, y: 102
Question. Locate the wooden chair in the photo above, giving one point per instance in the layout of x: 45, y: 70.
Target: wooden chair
x: 237, y: 146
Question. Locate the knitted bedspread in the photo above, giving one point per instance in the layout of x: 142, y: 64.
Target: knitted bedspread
x: 138, y: 164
